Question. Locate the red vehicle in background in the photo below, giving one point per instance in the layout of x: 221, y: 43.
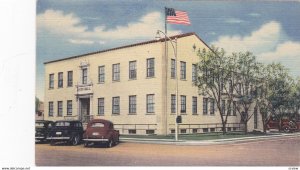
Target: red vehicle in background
x: 101, y: 131
x: 285, y: 124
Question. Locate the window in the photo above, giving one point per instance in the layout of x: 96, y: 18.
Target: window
x: 183, y: 104
x: 50, y: 111
x: 100, y: 106
x: 205, y: 108
x: 132, y: 104
x: 234, y: 108
x: 228, y: 129
x: 116, y: 72
x: 195, y: 130
x: 101, y: 74
x: 116, y: 105
x: 239, y: 88
x: 132, y: 69
x: 182, y: 70
x: 84, y: 76
x: 150, y: 67
x: 194, y: 105
x: 205, y: 130
x: 212, y: 106
x: 70, y: 78
x: 150, y: 131
x: 255, y: 117
x: 60, y: 79
x: 69, y: 107
x: 51, y: 81
x: 212, y: 129
x: 173, y: 103
x: 194, y: 72
x: 132, y: 131
x: 230, y: 84
x: 182, y: 130
x: 150, y: 103
x: 223, y: 107
x: 59, y: 108
x: 229, y: 109
x: 173, y: 68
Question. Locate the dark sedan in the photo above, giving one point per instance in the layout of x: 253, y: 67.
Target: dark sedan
x: 66, y: 131
x: 100, y: 131
x: 42, y: 128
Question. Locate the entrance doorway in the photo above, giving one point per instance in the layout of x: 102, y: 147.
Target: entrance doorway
x: 84, y: 108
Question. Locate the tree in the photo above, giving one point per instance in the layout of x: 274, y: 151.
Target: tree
x: 213, y: 72
x: 245, y: 82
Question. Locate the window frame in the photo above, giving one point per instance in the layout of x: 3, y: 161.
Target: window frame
x: 101, y: 106
x: 59, y: 108
x: 116, y: 72
x: 116, y: 105
x: 51, y: 109
x: 150, y: 67
x: 173, y: 68
x: 101, y: 74
x: 205, y: 106
x: 194, y: 105
x: 132, y: 104
x: 150, y: 103
x: 182, y: 70
x: 194, y: 72
x: 132, y: 70
x: 70, y: 79
x: 69, y: 107
x: 173, y: 103
x: 84, y: 73
x: 51, y: 81
x: 183, y: 104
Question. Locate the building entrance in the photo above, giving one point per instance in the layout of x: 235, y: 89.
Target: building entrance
x: 84, y: 109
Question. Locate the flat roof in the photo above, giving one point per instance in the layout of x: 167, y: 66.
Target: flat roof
x: 131, y: 45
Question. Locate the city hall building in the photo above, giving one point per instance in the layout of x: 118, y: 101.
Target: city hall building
x: 134, y: 86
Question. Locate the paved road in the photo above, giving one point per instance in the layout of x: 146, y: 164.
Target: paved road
x: 271, y: 152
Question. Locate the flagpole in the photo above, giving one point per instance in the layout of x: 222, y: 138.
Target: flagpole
x: 166, y: 71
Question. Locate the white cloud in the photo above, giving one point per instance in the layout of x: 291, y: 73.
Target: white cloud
x: 81, y: 41
x: 264, y: 39
x: 70, y: 25
x: 285, y: 50
x: 233, y: 20
x: 254, y: 14
x: 269, y: 43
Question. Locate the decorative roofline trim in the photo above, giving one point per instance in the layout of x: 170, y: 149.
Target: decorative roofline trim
x: 131, y: 45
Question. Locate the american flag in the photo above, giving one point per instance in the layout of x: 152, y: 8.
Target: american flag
x: 177, y: 17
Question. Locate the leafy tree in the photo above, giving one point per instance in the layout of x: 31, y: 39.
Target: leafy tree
x: 213, y: 73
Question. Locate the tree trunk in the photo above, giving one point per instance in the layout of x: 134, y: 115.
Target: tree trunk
x: 246, y: 127
x: 224, y: 128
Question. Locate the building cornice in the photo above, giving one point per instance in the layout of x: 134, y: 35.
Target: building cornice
x: 131, y: 45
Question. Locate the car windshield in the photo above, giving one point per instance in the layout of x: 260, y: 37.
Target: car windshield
x: 62, y: 124
x: 39, y: 124
x: 97, y: 125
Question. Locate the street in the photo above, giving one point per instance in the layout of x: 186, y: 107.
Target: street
x: 270, y: 152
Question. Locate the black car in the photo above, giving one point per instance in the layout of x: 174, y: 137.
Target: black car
x: 42, y: 128
x: 66, y: 131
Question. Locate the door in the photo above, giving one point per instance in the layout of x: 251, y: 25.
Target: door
x: 84, y: 108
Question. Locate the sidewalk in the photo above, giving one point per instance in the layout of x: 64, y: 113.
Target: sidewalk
x: 206, y: 142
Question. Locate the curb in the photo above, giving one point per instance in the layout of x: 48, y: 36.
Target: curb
x: 206, y: 142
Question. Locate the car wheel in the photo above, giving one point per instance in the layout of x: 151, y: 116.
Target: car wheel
x: 86, y: 144
x: 286, y: 129
x: 110, y: 143
x: 75, y: 140
x: 52, y: 142
x: 117, y: 141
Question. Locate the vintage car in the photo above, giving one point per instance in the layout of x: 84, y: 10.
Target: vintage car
x: 100, y: 131
x: 69, y: 131
x: 284, y: 124
x: 42, y: 128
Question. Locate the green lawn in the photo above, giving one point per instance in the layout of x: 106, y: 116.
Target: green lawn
x: 208, y: 136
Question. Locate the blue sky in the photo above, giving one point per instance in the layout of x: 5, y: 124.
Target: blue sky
x: 269, y: 29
